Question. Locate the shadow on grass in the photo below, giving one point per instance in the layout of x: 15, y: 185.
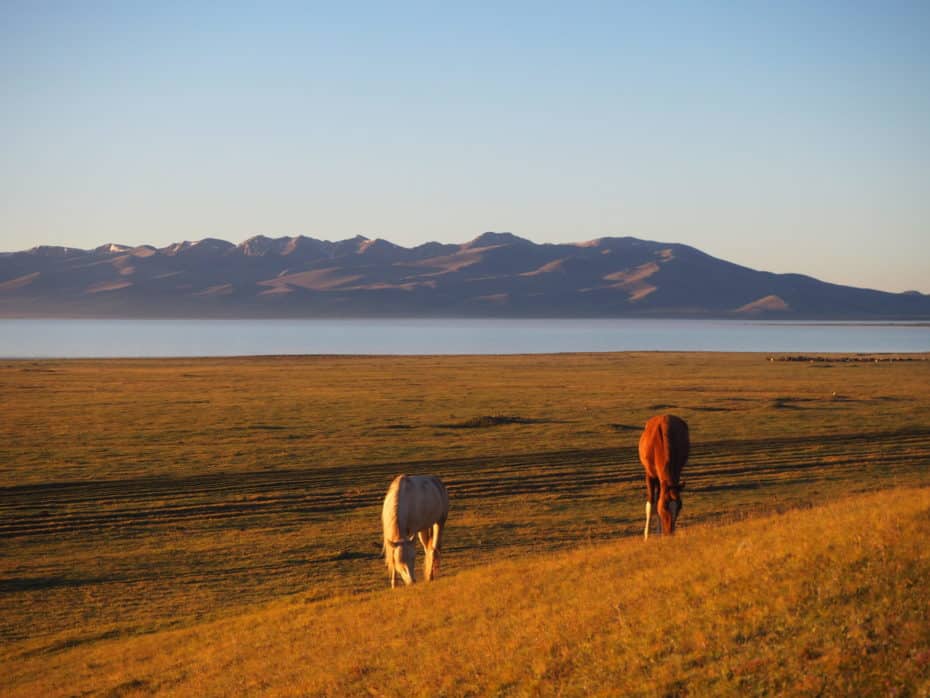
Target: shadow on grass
x: 70, y: 642
x: 486, y: 421
x: 354, y: 555
x: 19, y: 584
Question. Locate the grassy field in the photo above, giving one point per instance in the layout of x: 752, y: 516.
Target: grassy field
x: 825, y: 601
x: 164, y: 502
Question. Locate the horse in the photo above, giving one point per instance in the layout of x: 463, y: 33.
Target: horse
x: 663, y: 451
x: 415, y: 506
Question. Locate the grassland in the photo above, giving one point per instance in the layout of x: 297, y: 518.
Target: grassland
x: 825, y: 601
x: 150, y: 505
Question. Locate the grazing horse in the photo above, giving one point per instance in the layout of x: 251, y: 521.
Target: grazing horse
x: 663, y: 451
x: 415, y: 505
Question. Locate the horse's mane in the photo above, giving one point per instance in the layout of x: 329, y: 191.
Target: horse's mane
x: 391, y: 526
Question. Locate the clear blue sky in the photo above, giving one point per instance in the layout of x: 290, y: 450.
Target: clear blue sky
x: 784, y: 136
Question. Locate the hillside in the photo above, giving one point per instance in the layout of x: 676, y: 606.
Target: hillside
x: 496, y: 274
x: 826, y: 601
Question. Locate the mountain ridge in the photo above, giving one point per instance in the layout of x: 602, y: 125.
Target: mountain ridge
x: 494, y: 274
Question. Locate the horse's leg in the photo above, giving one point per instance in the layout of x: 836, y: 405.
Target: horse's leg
x: 657, y: 510
x: 661, y: 525
x: 425, y: 536
x: 435, y: 543
x: 656, y: 517
x: 652, y: 497
x: 393, y: 578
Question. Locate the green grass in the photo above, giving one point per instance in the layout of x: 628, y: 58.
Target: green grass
x: 145, y: 497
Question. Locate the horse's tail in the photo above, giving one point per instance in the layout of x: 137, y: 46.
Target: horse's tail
x: 443, y: 500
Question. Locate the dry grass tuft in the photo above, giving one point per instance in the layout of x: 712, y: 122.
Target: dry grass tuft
x: 494, y: 420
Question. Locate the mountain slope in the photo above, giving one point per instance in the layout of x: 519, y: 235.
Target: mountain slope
x: 496, y: 274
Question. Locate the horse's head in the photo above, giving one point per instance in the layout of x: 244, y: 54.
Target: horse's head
x: 400, y: 556
x: 670, y: 507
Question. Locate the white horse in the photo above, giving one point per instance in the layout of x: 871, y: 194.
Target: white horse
x: 415, y: 505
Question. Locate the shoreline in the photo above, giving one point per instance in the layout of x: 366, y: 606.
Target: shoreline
x: 825, y: 359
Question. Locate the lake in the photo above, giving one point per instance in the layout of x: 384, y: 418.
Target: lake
x: 22, y: 338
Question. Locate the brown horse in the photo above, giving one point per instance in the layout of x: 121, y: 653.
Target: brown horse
x: 663, y: 451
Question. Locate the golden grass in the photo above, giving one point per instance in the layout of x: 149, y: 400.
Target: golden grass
x: 138, y: 497
x: 73, y: 420
x: 825, y: 601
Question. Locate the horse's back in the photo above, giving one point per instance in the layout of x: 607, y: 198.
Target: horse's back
x: 664, y: 446
x: 431, y: 501
x: 415, y: 502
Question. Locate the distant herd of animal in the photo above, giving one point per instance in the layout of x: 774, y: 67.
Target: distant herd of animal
x: 416, y: 506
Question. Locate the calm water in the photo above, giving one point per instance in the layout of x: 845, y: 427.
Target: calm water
x: 138, y: 338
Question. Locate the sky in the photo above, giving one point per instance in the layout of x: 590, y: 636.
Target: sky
x: 788, y: 137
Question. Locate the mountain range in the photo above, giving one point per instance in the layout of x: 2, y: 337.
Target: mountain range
x: 494, y: 275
